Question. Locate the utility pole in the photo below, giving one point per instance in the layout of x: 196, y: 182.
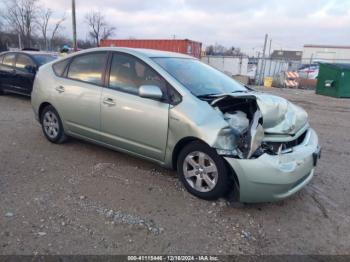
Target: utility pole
x: 256, y: 70
x: 270, y: 60
x: 312, y: 57
x: 19, y: 41
x: 75, y: 48
x: 261, y: 77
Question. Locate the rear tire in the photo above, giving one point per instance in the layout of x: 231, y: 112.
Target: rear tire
x: 52, y: 125
x: 203, y: 172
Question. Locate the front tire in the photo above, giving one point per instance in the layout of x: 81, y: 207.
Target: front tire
x: 203, y: 172
x: 52, y: 125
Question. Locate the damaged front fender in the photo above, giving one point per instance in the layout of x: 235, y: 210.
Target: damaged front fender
x: 266, y: 114
x: 236, y: 125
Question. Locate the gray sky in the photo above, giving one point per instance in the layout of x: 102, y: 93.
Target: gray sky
x: 290, y: 24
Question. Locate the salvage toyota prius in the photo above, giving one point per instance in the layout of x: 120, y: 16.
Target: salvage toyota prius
x: 174, y: 110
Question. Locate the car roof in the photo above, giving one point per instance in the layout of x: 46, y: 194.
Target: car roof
x: 140, y: 51
x: 29, y: 53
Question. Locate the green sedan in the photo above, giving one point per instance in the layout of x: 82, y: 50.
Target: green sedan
x: 176, y: 111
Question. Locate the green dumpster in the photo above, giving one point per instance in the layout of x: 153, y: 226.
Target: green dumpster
x: 334, y: 80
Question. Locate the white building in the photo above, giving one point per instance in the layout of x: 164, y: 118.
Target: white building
x: 228, y: 64
x: 326, y: 53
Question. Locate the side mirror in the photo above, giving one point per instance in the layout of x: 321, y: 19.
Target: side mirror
x: 150, y: 91
x: 30, y: 68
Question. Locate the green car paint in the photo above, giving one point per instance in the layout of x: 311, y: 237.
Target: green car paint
x: 154, y: 129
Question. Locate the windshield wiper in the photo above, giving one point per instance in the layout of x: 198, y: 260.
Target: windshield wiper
x: 215, y: 95
x: 249, y: 88
x: 239, y: 91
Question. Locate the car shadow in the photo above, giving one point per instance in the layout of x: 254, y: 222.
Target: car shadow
x: 128, y: 159
x: 141, y: 164
x: 16, y: 96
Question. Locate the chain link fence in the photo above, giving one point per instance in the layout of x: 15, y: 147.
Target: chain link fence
x: 289, y: 73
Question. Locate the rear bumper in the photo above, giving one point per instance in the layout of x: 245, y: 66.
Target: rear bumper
x: 272, y: 178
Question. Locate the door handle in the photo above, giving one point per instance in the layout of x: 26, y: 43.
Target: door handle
x: 60, y: 89
x: 109, y: 101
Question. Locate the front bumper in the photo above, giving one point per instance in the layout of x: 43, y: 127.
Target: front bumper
x: 275, y: 177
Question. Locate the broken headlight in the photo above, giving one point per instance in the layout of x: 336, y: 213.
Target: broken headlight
x: 226, y: 142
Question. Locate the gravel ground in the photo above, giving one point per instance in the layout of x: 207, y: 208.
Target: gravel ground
x: 80, y: 198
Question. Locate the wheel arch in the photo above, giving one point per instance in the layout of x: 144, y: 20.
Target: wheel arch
x: 233, y: 173
x: 180, y: 145
x: 185, y: 141
x: 41, y: 108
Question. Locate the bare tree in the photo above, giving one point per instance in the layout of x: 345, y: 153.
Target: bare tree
x: 43, y: 21
x: 99, y: 28
x: 210, y: 50
x: 55, y: 29
x: 21, y: 16
x: 1, y: 20
x: 85, y: 44
x: 3, y: 47
x: 219, y: 49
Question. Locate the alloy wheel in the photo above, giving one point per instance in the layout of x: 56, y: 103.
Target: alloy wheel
x: 200, y: 171
x: 51, y: 125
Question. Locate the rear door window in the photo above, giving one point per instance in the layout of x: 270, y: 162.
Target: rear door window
x: 9, y: 59
x: 1, y: 58
x: 88, y: 68
x: 23, y: 61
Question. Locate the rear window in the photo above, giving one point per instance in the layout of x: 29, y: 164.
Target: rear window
x: 88, y: 68
x: 60, y: 67
x: 9, y: 59
x: 44, y: 59
x: 23, y: 61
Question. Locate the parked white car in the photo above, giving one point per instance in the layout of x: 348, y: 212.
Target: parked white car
x: 309, y: 71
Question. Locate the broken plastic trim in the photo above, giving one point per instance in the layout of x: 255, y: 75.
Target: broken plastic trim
x: 256, y: 134
x: 226, y: 143
x: 235, y: 140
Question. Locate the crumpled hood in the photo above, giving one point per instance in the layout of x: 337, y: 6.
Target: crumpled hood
x: 279, y: 115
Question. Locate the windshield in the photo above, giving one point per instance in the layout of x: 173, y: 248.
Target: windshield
x: 43, y: 59
x: 198, y: 77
